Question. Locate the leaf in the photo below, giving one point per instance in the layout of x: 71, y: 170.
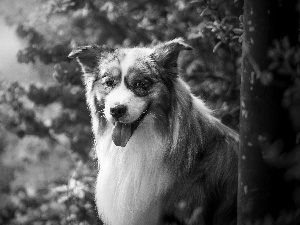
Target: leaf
x: 266, y: 78
x: 237, y: 31
x: 205, y: 12
x: 195, y: 35
x: 217, y: 46
x: 241, y: 38
x: 198, y: 2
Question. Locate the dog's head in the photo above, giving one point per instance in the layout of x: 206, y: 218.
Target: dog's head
x: 129, y: 83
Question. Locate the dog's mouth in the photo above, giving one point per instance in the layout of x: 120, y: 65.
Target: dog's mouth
x: 122, y: 132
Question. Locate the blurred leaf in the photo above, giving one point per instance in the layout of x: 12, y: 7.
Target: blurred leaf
x: 206, y: 12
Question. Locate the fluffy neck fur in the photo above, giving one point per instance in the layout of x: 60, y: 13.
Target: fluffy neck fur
x: 131, y: 179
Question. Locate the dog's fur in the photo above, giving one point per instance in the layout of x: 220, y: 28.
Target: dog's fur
x: 178, y: 164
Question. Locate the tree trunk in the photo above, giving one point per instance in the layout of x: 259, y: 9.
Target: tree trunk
x: 263, y: 120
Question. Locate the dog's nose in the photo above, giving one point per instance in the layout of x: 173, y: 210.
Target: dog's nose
x: 118, y: 111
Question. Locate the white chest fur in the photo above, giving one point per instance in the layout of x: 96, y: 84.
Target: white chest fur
x: 131, y: 180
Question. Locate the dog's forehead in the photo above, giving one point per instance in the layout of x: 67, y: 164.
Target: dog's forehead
x: 134, y: 58
x: 108, y: 63
x: 126, y: 60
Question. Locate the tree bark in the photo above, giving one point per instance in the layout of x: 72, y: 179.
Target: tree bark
x: 263, y: 120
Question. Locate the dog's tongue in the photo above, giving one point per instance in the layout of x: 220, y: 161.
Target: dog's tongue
x: 121, y: 134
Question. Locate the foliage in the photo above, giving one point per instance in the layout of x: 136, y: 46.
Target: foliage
x: 283, y: 71
x: 58, y: 113
x: 281, y: 154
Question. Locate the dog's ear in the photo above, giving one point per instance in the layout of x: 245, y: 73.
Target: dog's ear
x: 166, y: 54
x: 89, y: 56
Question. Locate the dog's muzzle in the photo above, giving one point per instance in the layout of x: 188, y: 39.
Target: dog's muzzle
x: 122, y: 132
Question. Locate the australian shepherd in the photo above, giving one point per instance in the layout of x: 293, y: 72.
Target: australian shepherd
x: 163, y: 158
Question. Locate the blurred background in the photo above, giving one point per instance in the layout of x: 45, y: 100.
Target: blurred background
x: 47, y: 163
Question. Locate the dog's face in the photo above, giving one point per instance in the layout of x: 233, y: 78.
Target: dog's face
x: 130, y: 84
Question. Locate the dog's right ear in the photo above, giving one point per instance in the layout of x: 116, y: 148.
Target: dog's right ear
x: 89, y: 56
x: 166, y: 54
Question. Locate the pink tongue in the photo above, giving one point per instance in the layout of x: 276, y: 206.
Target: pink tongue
x: 121, y: 134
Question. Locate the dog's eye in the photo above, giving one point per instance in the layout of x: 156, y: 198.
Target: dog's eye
x: 142, y: 85
x: 109, y: 83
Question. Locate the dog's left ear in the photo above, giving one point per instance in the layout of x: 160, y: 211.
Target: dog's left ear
x: 166, y: 54
x: 89, y: 56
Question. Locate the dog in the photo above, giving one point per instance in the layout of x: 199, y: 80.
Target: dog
x: 163, y: 157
